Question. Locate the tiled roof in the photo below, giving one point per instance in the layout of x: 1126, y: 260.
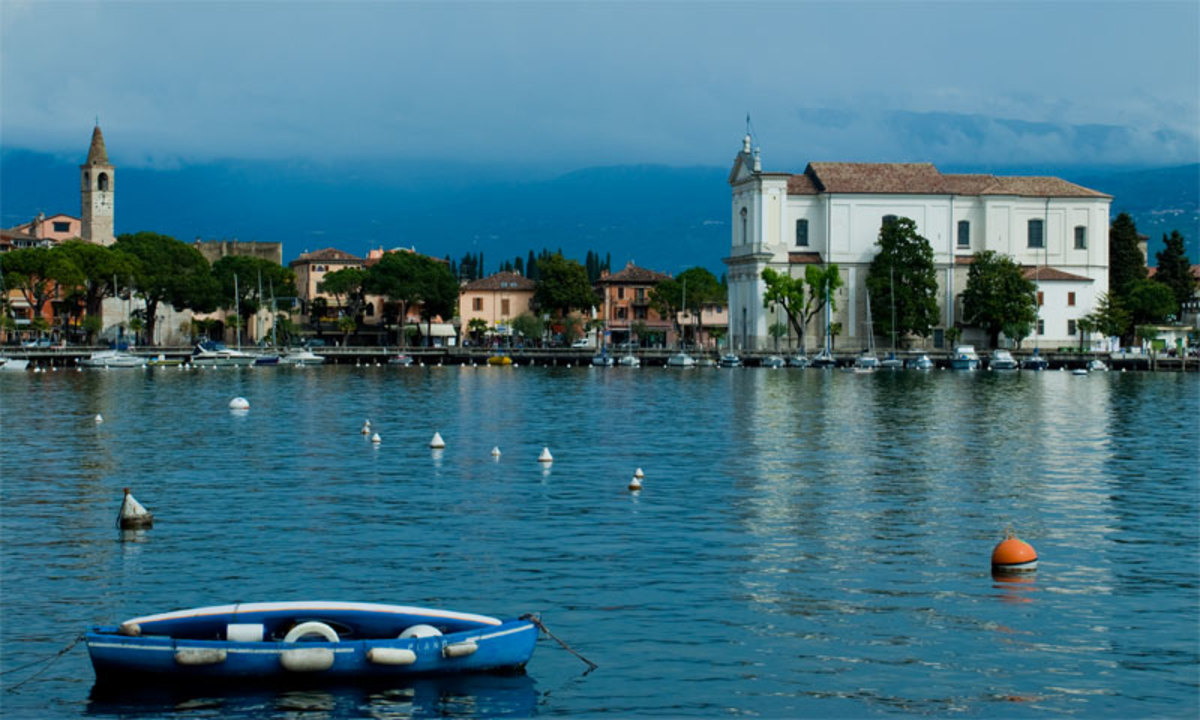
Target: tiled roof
x: 1194, y: 269
x: 924, y: 179
x: 804, y: 258
x: 1042, y: 273
x: 326, y: 255
x: 502, y: 281
x: 632, y: 274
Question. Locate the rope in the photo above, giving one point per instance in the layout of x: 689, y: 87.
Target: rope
x: 538, y: 622
x: 46, y: 667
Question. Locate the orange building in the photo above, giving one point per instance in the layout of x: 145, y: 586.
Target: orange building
x: 626, y: 303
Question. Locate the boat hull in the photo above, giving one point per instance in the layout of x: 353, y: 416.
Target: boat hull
x: 195, y: 646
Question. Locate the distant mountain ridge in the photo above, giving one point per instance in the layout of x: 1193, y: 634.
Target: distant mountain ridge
x: 663, y: 218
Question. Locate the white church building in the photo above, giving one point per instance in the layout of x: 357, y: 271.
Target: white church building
x: 832, y: 212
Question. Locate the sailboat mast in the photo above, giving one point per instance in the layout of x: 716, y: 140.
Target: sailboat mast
x: 237, y: 314
x: 892, y: 285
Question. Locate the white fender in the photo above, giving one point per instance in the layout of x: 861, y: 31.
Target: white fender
x: 307, y: 659
x: 420, y: 631
x: 199, y: 656
x: 459, y: 649
x: 244, y: 632
x: 311, y: 627
x: 391, y: 656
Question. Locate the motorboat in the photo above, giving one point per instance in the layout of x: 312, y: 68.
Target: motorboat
x: 14, y: 364
x: 964, y: 358
x: 302, y: 356
x: 214, y: 354
x: 773, y: 362
x: 920, y: 362
x: 891, y: 362
x: 705, y: 361
x: 401, y: 359
x: 499, y: 359
x: 1096, y: 365
x: 729, y: 360
x: 602, y: 360
x: 797, y: 361
x: 823, y: 359
x: 110, y: 359
x: 681, y: 360
x: 1035, y: 362
x: 270, y: 359
x: 310, y: 642
x: 1001, y: 359
x: 629, y: 361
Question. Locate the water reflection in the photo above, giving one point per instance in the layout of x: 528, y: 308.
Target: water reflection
x: 493, y: 696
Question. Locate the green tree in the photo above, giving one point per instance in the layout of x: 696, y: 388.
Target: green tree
x: 788, y: 293
x: 1150, y: 302
x: 689, y: 292
x: 1126, y: 264
x: 776, y: 331
x: 1174, y: 268
x: 563, y: 286
x: 102, y: 270
x: 37, y: 273
x: 169, y: 271
x: 902, y: 281
x: 241, y: 276
x: 528, y: 326
x: 822, y: 284
x: 438, y: 292
x: 348, y: 289
x: 409, y: 279
x: 1109, y: 318
x: 998, y: 295
x: 476, y: 328
x: 346, y: 325
x: 317, y: 309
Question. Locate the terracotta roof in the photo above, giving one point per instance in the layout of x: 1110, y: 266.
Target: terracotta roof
x: 924, y: 179
x: 502, y: 281
x: 635, y: 275
x: 97, y: 155
x: 1040, y: 187
x: 1042, y: 273
x: 805, y: 258
x: 326, y: 255
x: 1194, y: 269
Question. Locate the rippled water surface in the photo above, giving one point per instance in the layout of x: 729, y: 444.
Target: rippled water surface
x: 806, y: 543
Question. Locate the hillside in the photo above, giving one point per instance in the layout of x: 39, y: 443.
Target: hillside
x: 666, y: 218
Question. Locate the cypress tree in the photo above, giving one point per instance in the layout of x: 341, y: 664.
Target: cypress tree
x: 1126, y: 265
x: 1174, y: 268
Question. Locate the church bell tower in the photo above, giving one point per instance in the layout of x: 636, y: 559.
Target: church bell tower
x: 97, y: 190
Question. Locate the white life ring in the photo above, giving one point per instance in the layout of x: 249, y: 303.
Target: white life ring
x: 312, y: 627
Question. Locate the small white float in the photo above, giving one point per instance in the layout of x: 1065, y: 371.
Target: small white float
x: 376, y: 439
x: 437, y: 443
x: 239, y: 403
x: 496, y: 451
x: 545, y: 457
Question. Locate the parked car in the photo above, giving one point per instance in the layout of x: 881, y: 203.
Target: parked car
x: 38, y: 343
x: 582, y: 343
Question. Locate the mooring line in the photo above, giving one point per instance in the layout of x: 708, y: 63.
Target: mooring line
x: 541, y: 626
x: 46, y: 667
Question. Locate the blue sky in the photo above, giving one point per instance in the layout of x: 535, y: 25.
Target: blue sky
x: 559, y: 86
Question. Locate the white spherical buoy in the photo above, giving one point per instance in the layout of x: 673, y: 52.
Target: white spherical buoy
x: 639, y: 474
x: 99, y: 418
x: 376, y: 439
x: 437, y: 443
x: 496, y: 451
x: 545, y: 457
x: 239, y: 403
x: 635, y: 484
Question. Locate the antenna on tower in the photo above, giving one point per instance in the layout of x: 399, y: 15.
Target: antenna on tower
x: 750, y: 132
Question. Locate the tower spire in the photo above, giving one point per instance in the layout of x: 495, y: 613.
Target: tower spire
x: 97, y: 154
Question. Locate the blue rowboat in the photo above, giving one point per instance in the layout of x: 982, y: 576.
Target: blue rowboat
x: 308, y: 642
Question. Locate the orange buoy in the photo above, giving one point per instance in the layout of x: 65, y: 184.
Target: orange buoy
x: 1013, y: 555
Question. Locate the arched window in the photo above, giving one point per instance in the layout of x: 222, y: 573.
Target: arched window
x: 888, y: 220
x: 964, y: 234
x: 1036, y: 238
x: 102, y: 182
x: 745, y: 236
x: 802, y: 233
x: 370, y: 309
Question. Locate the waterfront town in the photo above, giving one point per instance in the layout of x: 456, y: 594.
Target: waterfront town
x: 819, y: 260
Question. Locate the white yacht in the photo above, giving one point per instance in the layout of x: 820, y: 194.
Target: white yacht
x: 301, y: 356
x: 1002, y: 360
x: 682, y: 360
x: 113, y: 359
x: 214, y: 354
x: 964, y: 358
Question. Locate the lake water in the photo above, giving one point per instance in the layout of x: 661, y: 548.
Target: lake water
x: 806, y: 543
